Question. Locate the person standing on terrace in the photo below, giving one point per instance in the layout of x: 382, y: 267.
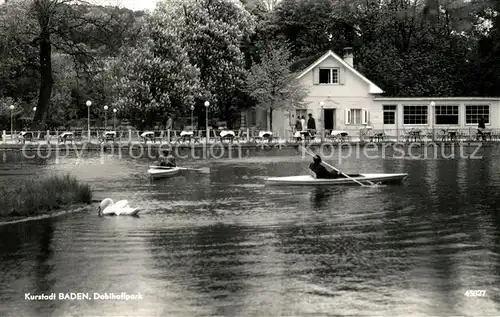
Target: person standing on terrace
x: 481, y: 125
x: 311, y: 125
x: 168, y: 125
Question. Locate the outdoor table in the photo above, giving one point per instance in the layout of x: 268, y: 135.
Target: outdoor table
x: 148, y: 135
x: 452, y: 135
x: 377, y: 137
x: 108, y: 135
x: 340, y: 135
x: 414, y: 134
x: 65, y: 136
x: 338, y: 132
x: 185, y: 136
x: 25, y: 136
x: 265, y: 134
x: 227, y: 135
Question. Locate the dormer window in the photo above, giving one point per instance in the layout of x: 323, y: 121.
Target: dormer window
x: 328, y: 75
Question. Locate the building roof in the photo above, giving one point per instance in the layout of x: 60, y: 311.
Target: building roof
x: 301, y: 64
x: 374, y: 89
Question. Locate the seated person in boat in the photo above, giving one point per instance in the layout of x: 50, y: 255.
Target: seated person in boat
x: 167, y: 159
x: 319, y: 171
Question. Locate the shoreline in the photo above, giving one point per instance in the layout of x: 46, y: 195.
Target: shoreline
x: 8, y: 220
x: 287, y: 145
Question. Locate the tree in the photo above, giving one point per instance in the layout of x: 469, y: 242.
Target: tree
x: 61, y: 25
x: 311, y: 27
x: 152, y: 79
x: 211, y: 32
x: 271, y: 82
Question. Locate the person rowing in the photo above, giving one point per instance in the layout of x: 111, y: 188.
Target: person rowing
x: 167, y: 159
x: 320, y: 171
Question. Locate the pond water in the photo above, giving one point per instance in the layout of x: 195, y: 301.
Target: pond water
x: 224, y: 244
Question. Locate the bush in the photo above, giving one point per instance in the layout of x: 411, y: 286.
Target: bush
x: 39, y: 197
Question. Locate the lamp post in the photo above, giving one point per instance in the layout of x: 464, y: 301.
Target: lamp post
x: 207, y: 104
x: 11, y: 120
x: 34, y: 112
x: 192, y: 109
x: 114, y: 119
x: 106, y: 117
x: 433, y: 111
x: 88, y: 103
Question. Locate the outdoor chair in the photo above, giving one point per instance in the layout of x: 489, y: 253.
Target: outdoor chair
x: 295, y: 136
x: 171, y: 136
x: 377, y: 137
x: 197, y: 136
x: 485, y: 135
x: 26, y: 136
x: 306, y: 136
x: 328, y: 137
x: 264, y: 135
x: 338, y: 136
x: 78, y: 135
x: 65, y: 136
x: 216, y: 135
x: 185, y: 136
x: 158, y: 136
x: 448, y: 135
x: 108, y: 136
x: 42, y: 136
x: 147, y: 136
x: 239, y: 136
x: 494, y: 135
x: 413, y: 135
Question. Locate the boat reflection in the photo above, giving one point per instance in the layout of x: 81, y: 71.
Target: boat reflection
x: 321, y: 196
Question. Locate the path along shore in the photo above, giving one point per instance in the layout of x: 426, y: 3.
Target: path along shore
x: 85, y: 146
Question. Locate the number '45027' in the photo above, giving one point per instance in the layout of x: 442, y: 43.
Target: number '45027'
x: 475, y: 293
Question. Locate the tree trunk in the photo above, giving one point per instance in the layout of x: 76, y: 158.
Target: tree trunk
x: 271, y: 119
x: 46, y: 82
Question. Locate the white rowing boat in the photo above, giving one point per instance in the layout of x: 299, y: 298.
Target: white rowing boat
x: 382, y: 178
x: 156, y: 172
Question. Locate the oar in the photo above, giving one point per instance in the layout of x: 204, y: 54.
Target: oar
x: 372, y: 184
x: 205, y: 170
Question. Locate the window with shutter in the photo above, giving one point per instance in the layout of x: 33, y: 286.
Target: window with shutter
x: 364, y: 116
x: 347, y: 116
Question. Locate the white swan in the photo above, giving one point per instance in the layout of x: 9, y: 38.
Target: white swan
x: 121, y: 208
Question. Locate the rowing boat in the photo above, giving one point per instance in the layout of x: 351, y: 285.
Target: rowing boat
x: 156, y: 172
x: 382, y: 178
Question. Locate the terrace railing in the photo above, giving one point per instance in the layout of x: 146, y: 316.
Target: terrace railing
x: 100, y: 136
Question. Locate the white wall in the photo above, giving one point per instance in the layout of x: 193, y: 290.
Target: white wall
x: 494, y: 110
x: 351, y: 93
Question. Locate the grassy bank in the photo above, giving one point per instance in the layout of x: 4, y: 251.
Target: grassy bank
x: 43, y: 196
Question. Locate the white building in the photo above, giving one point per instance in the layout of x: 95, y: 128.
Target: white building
x: 342, y: 99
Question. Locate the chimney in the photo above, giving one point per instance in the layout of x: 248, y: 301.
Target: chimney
x: 348, y: 56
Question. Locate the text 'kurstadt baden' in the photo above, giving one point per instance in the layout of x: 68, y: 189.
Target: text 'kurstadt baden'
x: 83, y: 296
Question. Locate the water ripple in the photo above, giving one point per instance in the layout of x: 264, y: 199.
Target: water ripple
x: 225, y: 244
